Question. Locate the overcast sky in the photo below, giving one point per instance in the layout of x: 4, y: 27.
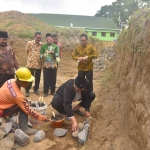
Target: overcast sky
x: 73, y: 7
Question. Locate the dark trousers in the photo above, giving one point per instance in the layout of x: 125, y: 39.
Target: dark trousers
x: 10, y: 111
x: 49, y: 79
x: 37, y: 74
x: 5, y: 77
x: 57, y: 102
x: 89, y: 76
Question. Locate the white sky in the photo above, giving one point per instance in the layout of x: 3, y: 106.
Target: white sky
x: 73, y: 7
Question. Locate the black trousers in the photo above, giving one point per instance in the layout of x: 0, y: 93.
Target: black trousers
x: 89, y: 76
x: 49, y: 79
x: 10, y: 111
x: 5, y: 77
x: 37, y: 74
x: 57, y: 102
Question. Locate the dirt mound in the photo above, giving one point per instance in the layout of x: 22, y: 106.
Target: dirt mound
x: 123, y: 109
x: 132, y: 77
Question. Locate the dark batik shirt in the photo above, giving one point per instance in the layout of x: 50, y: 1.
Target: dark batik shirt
x: 7, y: 60
x: 89, y: 51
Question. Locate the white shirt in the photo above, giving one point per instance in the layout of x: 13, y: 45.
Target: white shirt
x: 77, y: 97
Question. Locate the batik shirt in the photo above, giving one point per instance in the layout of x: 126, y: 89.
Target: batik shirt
x: 89, y: 51
x: 7, y: 60
x: 50, y: 60
x: 33, y: 54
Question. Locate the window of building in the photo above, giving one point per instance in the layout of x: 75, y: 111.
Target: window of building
x: 112, y: 34
x: 103, y: 33
x: 94, y: 33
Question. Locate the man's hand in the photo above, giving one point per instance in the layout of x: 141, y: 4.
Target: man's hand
x: 74, y: 124
x: 84, y: 58
x: 87, y: 114
x: 43, y: 56
x: 79, y: 59
x: 47, y: 119
x: 51, y: 52
x: 58, y: 59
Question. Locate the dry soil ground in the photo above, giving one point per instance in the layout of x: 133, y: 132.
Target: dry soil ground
x: 67, y: 69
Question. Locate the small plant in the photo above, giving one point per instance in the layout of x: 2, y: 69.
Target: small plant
x: 25, y: 35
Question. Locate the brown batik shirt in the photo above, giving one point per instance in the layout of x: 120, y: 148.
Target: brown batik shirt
x: 33, y: 54
x: 89, y: 51
x: 7, y: 60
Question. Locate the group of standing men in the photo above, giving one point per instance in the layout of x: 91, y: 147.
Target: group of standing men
x: 38, y: 55
x: 47, y: 56
x: 43, y: 55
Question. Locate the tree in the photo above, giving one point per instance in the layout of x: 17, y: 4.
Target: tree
x: 121, y: 10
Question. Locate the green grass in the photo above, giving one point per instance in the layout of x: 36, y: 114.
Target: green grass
x: 8, y: 24
x: 25, y: 34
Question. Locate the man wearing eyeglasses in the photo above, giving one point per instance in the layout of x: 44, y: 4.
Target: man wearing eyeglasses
x: 77, y: 89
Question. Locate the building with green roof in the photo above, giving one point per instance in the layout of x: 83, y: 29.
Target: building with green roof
x: 101, y: 27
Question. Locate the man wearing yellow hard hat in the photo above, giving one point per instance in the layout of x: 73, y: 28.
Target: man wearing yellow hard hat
x: 13, y: 101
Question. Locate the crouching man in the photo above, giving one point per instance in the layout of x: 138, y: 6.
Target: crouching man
x: 71, y: 91
x: 13, y: 101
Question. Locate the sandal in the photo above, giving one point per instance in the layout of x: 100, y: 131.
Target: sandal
x: 78, y: 112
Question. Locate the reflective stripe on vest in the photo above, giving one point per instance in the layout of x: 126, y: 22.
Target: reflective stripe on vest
x: 9, y: 85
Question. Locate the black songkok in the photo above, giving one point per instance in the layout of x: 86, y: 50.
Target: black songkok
x: 80, y: 81
x: 3, y: 34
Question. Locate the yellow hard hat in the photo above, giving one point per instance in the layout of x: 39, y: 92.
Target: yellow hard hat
x: 24, y: 74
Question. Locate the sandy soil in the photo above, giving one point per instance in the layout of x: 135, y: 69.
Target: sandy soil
x: 67, y: 69
x: 121, y: 109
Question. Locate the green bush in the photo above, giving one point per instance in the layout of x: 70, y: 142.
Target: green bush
x: 25, y: 35
x: 8, y: 24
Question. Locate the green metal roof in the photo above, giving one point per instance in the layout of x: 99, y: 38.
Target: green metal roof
x: 77, y: 21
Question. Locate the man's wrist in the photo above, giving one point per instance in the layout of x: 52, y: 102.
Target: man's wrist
x: 72, y: 118
x: 88, y: 110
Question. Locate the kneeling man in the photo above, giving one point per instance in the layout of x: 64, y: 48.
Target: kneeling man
x: 71, y: 91
x: 12, y: 101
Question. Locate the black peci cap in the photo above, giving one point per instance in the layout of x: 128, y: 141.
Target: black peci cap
x: 3, y: 34
x: 80, y: 81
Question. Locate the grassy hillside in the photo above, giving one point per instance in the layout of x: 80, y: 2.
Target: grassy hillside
x: 24, y: 25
